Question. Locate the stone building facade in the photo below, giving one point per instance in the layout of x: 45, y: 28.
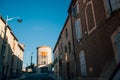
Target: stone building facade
x: 11, y: 52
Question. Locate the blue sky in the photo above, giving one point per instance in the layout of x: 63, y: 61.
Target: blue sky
x: 42, y: 22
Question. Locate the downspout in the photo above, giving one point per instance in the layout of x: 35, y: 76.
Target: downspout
x: 74, y: 52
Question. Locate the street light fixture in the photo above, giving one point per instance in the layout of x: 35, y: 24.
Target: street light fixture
x: 9, y: 19
x: 4, y: 44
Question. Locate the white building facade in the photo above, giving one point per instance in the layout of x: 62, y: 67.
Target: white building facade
x: 44, y: 56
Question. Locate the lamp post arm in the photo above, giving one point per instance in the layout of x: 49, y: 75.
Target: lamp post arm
x: 8, y: 19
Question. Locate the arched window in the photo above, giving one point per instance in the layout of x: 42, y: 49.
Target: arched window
x: 83, y: 63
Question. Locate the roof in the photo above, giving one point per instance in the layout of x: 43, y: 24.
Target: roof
x: 61, y: 33
x: 4, y: 22
x: 72, y: 3
x: 21, y: 46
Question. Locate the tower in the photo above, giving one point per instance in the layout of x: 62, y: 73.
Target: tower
x: 44, y: 56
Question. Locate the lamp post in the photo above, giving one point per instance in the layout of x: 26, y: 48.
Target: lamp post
x: 4, y: 45
x: 31, y: 58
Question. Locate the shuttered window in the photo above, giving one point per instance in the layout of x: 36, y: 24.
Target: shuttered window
x: 78, y: 30
x: 75, y: 9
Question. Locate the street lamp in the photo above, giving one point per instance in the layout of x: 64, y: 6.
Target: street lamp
x: 9, y: 19
x: 31, y: 58
x: 4, y: 44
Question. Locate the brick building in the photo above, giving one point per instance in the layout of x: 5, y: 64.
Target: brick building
x: 64, y: 53
x: 95, y: 27
x: 95, y: 35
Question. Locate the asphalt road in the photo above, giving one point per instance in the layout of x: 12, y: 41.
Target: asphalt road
x: 36, y: 76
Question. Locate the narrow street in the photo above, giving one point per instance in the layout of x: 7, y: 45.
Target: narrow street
x: 59, y: 39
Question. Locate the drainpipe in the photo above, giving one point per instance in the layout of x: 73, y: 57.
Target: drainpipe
x: 74, y: 52
x: 110, y: 5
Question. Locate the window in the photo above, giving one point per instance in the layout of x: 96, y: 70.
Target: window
x: 69, y: 45
x: 83, y: 63
x: 3, y: 49
x: 45, y: 57
x: 65, y: 49
x: 6, y: 39
x: 117, y: 45
x: 44, y: 62
x: 112, y: 5
x: 78, y: 30
x: 75, y: 9
x: 56, y: 60
x: 66, y: 32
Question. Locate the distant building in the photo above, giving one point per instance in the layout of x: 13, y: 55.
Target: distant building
x: 64, y: 62
x: 44, y: 56
x: 31, y: 68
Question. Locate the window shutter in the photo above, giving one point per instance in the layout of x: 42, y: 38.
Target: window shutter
x: 83, y: 63
x: 73, y: 12
x: 75, y: 9
x: 78, y: 30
